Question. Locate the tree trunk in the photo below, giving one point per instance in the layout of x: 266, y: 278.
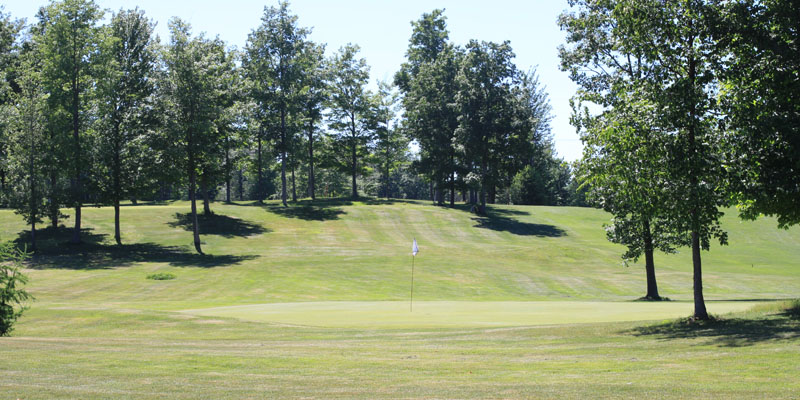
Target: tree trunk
x: 34, y: 203
x: 284, y: 194
x: 260, y: 183
x: 241, y: 185
x: 53, y: 206
x: 354, y: 152
x: 452, y: 179
x: 117, y: 183
x: 649, y: 264
x: 33, y: 235
x: 227, y: 174
x: 193, y: 194
x: 294, y: 187
x: 204, y: 191
x: 77, y: 187
x: 311, y: 160
x: 699, y: 302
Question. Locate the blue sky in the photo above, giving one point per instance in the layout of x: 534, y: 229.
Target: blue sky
x: 382, y: 29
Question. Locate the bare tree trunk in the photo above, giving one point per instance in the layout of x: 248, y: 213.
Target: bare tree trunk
x: 649, y: 264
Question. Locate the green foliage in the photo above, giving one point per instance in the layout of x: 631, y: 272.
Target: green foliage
x: 761, y: 97
x: 351, y: 117
x: 13, y: 296
x: 161, y: 276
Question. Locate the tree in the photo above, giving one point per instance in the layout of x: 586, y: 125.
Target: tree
x: 27, y: 145
x: 761, y: 98
x: 315, y: 78
x: 9, y: 56
x: 624, y: 165
x: 69, y: 50
x: 625, y: 153
x: 12, y: 296
x: 350, y: 110
x: 485, y: 102
x: 126, y: 93
x: 273, y: 60
x: 663, y: 63
x: 429, y: 87
x: 390, y: 143
x: 195, y: 88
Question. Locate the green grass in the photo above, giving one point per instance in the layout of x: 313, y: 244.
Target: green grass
x: 457, y: 314
x: 311, y: 301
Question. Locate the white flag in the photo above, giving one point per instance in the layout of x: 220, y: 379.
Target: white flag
x: 414, y: 248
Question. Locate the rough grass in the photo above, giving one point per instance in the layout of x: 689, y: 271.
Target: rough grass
x: 500, y: 298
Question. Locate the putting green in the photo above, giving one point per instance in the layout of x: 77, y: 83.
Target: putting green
x: 452, y: 314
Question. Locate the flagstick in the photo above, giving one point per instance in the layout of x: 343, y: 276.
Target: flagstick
x: 411, y: 303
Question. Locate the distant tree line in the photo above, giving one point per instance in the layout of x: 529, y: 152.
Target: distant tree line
x: 686, y: 107
x: 100, y: 114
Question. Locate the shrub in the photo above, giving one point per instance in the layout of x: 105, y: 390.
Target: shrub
x: 12, y: 295
x: 161, y: 276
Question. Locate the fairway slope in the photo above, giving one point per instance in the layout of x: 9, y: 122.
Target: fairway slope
x: 458, y: 314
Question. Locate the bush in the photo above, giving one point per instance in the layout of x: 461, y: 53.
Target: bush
x: 12, y: 296
x: 161, y: 276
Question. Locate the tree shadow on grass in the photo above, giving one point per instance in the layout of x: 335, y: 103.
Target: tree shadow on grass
x: 54, y: 252
x: 217, y: 224
x: 318, y: 210
x: 730, y: 332
x: 499, y: 220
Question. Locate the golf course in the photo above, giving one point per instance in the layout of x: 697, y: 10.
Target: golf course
x: 312, y: 300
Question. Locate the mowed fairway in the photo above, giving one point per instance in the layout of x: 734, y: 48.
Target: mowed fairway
x: 457, y: 314
x: 312, y: 301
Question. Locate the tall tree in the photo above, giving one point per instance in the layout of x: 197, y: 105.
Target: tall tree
x: 761, y: 95
x: 126, y: 100
x: 671, y: 62
x: 314, y: 95
x: 195, y: 88
x: 486, y: 105
x: 625, y: 153
x: 70, y: 44
x: 428, y: 83
x: 274, y: 61
x: 27, y: 143
x: 9, y: 54
x: 391, y: 144
x: 350, y: 109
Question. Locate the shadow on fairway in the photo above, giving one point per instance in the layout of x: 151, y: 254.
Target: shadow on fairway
x: 499, y: 220
x: 217, y: 224
x: 54, y: 252
x: 318, y: 210
x: 733, y: 332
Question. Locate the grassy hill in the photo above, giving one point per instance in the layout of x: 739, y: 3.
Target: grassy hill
x: 310, y: 301
x: 338, y: 250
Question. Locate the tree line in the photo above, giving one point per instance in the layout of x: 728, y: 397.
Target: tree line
x: 99, y: 114
x: 685, y: 107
